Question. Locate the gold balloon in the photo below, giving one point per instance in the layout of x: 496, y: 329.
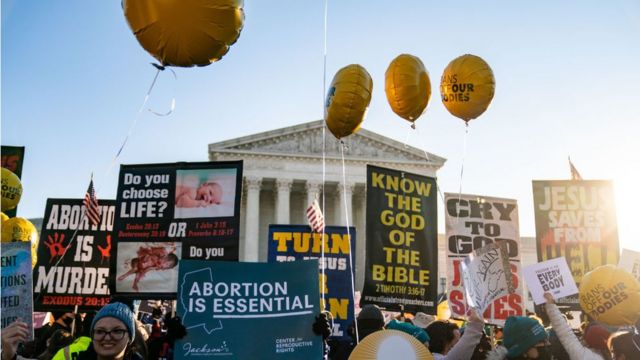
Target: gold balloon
x: 407, y: 86
x: 610, y: 295
x: 467, y: 87
x: 391, y: 345
x: 347, y: 100
x: 21, y: 229
x: 185, y: 32
x: 11, y: 190
x: 4, y: 217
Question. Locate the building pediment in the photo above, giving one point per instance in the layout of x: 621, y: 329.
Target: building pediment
x: 306, y: 140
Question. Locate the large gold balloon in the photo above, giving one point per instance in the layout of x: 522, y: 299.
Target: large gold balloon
x: 21, y: 229
x: 407, y: 85
x: 11, y: 190
x: 4, y: 217
x: 467, y: 87
x: 610, y: 295
x: 185, y: 32
x: 347, y: 100
x: 390, y: 345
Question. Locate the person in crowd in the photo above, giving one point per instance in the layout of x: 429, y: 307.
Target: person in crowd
x: 59, y: 339
x: 624, y: 345
x: 555, y: 346
x: 483, y: 348
x: 61, y: 321
x: 571, y: 343
x: 12, y: 336
x: 156, y: 323
x: 446, y: 341
x: 112, y: 334
x: 81, y: 343
x: 369, y: 320
x: 523, y: 338
x: 596, y: 337
x: 417, y: 332
x: 161, y: 348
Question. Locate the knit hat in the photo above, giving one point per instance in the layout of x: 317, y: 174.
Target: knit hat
x: 410, y: 329
x: 119, y: 311
x: 596, y: 337
x: 522, y: 333
x: 423, y: 320
x: 371, y: 312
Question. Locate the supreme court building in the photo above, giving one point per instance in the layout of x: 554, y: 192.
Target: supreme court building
x: 283, y: 174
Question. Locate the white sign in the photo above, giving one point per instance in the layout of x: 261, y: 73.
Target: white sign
x: 630, y: 261
x: 552, y: 276
x: 487, y: 275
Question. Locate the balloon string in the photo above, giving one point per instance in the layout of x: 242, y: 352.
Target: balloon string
x: 324, y: 82
x: 464, y: 154
x: 346, y: 215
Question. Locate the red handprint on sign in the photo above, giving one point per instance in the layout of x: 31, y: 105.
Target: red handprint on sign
x: 55, y: 246
x: 105, y: 251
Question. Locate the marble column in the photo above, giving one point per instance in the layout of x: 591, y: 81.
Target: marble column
x: 313, y: 193
x: 283, y: 196
x: 252, y: 222
x: 346, y: 196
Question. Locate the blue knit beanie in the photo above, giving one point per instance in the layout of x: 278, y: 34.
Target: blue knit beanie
x: 522, y: 333
x: 119, y: 311
x: 416, y: 332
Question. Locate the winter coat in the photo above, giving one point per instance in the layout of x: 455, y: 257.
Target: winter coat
x: 70, y: 352
x: 575, y: 349
x: 463, y: 349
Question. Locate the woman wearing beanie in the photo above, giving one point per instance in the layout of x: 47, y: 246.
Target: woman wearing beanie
x: 112, y: 333
x: 446, y: 343
x: 524, y: 338
x: 567, y: 338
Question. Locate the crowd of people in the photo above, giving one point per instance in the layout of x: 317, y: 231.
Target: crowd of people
x: 115, y: 333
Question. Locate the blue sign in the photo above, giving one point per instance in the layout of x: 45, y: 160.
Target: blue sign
x: 17, y: 285
x: 297, y: 242
x: 248, y: 310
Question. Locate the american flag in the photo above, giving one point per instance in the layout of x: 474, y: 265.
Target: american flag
x: 91, y: 204
x: 575, y: 175
x: 315, y: 217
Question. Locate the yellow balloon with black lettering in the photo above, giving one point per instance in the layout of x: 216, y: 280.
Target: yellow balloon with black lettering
x: 185, y: 32
x: 347, y: 100
x: 610, y: 295
x: 21, y: 229
x: 11, y: 190
x: 467, y: 87
x: 407, y: 85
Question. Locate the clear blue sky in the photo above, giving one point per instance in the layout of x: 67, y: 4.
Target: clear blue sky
x: 73, y: 78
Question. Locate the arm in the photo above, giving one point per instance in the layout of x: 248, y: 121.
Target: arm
x: 567, y: 338
x: 464, y: 348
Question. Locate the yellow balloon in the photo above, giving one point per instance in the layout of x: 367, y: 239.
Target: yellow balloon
x: 185, y: 32
x: 4, y: 217
x: 11, y: 190
x: 390, y: 345
x: 610, y: 295
x: 467, y: 87
x: 347, y: 100
x: 21, y: 229
x: 407, y: 85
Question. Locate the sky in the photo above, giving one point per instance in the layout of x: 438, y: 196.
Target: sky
x: 74, y: 78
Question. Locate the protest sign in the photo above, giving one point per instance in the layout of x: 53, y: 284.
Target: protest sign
x: 298, y: 242
x: 168, y: 212
x: 630, y: 261
x: 402, y: 248
x: 473, y: 221
x: 486, y: 275
x: 552, y: 276
x: 248, y: 310
x: 576, y: 220
x: 12, y: 159
x: 17, y: 301
x: 73, y: 257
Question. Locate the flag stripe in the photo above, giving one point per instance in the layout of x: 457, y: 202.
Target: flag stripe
x: 315, y: 217
x: 91, y: 205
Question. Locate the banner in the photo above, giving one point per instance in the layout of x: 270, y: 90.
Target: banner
x: 17, y: 301
x: 248, y: 310
x: 12, y: 159
x: 576, y: 220
x: 552, y: 276
x: 73, y: 257
x: 473, y: 221
x: 402, y: 245
x: 298, y: 242
x: 630, y: 261
x: 168, y: 212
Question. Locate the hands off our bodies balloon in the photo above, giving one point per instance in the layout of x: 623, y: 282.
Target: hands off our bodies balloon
x: 21, y: 229
x: 347, y: 100
x: 185, y: 32
x: 467, y: 87
x: 11, y: 190
x: 610, y: 295
x: 407, y: 85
